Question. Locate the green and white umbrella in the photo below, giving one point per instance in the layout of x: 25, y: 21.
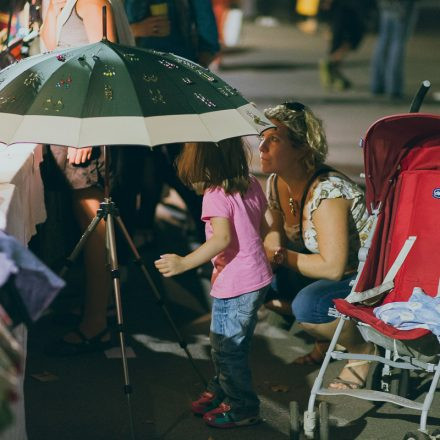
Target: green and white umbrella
x: 107, y: 94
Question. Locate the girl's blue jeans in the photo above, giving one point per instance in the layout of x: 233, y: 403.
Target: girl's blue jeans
x: 233, y: 323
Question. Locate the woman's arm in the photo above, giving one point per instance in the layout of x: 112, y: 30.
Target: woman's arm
x: 49, y: 27
x: 91, y: 13
x: 331, y: 224
x: 172, y: 264
x: 273, y: 226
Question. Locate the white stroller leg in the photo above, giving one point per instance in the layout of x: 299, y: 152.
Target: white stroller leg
x: 310, y: 414
x: 429, y: 398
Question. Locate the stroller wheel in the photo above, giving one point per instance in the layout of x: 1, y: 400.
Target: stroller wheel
x: 417, y: 435
x: 295, y: 421
x: 324, y: 428
x: 436, y: 434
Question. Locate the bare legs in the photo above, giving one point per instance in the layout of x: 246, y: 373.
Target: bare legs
x: 351, y: 339
x: 98, y: 285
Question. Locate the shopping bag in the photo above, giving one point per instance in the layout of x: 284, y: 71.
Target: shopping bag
x: 232, y: 27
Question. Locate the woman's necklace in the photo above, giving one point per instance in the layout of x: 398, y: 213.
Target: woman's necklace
x: 293, y: 206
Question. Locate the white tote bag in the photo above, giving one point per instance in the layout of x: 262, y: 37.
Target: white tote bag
x: 232, y: 27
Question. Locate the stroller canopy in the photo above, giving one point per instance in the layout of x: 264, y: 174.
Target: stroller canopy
x: 386, y: 142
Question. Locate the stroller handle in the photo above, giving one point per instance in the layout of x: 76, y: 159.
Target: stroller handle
x: 419, y: 97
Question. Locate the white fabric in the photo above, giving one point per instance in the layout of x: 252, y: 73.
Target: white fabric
x: 21, y: 190
x: 124, y: 130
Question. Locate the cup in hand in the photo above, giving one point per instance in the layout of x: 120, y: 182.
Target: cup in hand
x: 159, y: 9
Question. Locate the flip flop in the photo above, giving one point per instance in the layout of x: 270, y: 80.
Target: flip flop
x: 86, y: 345
x: 350, y: 384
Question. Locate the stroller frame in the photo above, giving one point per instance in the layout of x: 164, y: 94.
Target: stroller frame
x: 400, y: 357
x: 404, y: 362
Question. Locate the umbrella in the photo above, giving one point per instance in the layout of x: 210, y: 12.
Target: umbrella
x: 108, y: 94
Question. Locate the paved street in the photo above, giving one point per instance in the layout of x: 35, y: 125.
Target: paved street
x: 85, y: 398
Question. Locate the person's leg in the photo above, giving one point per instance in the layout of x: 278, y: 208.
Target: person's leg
x: 128, y: 172
x: 98, y: 287
x: 310, y: 308
x: 380, y: 56
x: 154, y: 167
x: 401, y: 20
x: 232, y: 327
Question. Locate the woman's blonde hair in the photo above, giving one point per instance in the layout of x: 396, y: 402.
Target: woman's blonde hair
x: 223, y: 164
x: 305, y: 130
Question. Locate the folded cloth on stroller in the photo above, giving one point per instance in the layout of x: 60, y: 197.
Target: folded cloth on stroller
x: 420, y: 311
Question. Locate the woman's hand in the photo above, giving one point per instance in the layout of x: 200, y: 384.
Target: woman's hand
x: 170, y: 265
x: 157, y: 26
x: 76, y: 156
x: 276, y: 256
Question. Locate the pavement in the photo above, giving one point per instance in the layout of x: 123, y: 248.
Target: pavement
x: 83, y: 398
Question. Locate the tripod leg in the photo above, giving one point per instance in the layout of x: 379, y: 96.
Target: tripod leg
x: 113, y: 260
x: 158, y: 296
x: 82, y: 241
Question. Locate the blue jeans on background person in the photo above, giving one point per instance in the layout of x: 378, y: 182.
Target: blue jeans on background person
x: 233, y: 323
x: 387, y: 67
x: 311, y: 304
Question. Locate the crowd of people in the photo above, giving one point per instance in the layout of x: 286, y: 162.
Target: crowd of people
x: 292, y: 250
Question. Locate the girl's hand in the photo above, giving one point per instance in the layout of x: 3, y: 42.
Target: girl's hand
x: 78, y: 155
x: 170, y: 265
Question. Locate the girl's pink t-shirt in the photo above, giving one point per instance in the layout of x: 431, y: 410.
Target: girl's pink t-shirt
x: 242, y: 267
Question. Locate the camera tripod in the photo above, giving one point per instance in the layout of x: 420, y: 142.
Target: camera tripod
x: 109, y: 212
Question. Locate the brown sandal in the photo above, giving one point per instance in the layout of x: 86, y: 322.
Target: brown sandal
x: 315, y: 357
x: 350, y: 384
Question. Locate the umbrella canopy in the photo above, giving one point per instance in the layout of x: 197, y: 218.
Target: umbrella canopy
x: 108, y: 94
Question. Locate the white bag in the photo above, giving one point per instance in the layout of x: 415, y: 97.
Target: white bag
x: 232, y: 27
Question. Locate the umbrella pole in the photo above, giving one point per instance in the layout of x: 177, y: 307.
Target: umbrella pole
x: 115, y: 274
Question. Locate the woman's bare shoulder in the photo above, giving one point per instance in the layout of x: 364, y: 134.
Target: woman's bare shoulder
x: 84, y: 6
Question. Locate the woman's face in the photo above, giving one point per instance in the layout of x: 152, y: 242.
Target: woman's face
x: 276, y: 150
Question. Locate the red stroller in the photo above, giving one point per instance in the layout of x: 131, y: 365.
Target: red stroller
x: 402, y: 168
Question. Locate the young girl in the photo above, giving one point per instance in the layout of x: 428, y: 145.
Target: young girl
x: 233, y: 210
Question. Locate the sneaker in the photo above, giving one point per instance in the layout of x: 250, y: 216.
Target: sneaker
x: 221, y: 417
x: 205, y: 403
x: 325, y: 74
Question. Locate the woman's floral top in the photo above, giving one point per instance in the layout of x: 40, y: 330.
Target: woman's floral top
x: 330, y: 185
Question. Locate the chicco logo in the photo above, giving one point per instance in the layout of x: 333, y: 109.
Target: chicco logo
x: 436, y: 193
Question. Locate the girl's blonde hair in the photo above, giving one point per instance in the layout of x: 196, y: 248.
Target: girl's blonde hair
x: 305, y: 130
x: 223, y: 164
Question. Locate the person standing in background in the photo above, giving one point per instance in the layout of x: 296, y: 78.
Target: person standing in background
x: 72, y: 23
x: 396, y: 18
x: 186, y: 28
x: 347, y: 23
